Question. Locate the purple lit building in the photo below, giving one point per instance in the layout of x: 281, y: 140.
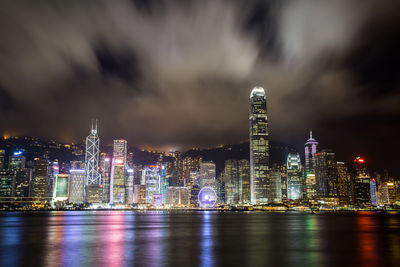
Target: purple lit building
x: 310, y: 150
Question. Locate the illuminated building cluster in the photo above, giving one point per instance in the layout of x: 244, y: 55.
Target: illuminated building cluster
x: 30, y: 178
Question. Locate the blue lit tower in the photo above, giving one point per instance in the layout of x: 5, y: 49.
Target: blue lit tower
x: 310, y: 150
x: 92, y: 175
x: 260, y: 185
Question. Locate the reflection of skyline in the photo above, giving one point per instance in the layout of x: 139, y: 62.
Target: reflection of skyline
x: 313, y: 242
x: 11, y: 235
x: 206, y: 243
x: 368, y: 243
x: 54, y: 241
x: 199, y: 239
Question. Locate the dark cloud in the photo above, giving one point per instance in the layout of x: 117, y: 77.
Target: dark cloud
x: 178, y: 73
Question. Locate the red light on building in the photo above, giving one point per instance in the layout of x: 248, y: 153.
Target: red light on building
x: 359, y: 160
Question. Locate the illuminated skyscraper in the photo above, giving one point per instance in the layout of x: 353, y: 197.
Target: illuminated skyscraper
x: 105, y: 168
x: 118, y: 168
x: 207, y: 174
x: 93, y: 178
x: 163, y: 181
x: 361, y: 182
x: 374, y: 196
x: 326, y: 175
x: 231, y: 177
x: 92, y: 157
x: 41, y: 179
x: 310, y: 150
x: 153, y: 182
x: 76, y: 192
x: 260, y: 185
x: 61, y: 187
x: 344, y: 183
x: 244, y: 181
x: 129, y: 190
x: 276, y: 183
x: 294, y: 177
x: 120, y: 149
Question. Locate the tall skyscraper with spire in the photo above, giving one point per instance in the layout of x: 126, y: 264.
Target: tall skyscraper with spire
x: 92, y: 175
x: 310, y: 150
x: 260, y: 184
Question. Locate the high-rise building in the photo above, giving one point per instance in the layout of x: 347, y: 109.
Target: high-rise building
x: 118, y: 168
x: 276, y: 184
x: 361, y: 184
x: 153, y: 181
x: 387, y: 193
x: 92, y: 175
x: 194, y: 195
x: 129, y: 190
x: 16, y: 161
x: 260, y: 186
x: 163, y: 181
x: 311, y: 186
x: 374, y: 198
x: 207, y: 174
x: 139, y: 194
x: 21, y: 183
x: 236, y: 178
x: 244, y: 181
x: 294, y: 177
x: 231, y: 177
x: 117, y: 181
x: 310, y: 148
x: 105, y: 168
x: 61, y: 188
x: 120, y: 150
x: 190, y: 164
x: 6, y: 180
x: 76, y: 192
x: 41, y: 179
x: 2, y: 158
x: 344, y: 181
x: 325, y: 174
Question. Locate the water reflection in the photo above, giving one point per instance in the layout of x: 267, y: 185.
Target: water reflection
x: 151, y: 239
x: 10, y: 227
x: 199, y: 239
x: 206, y: 243
x: 54, y: 246
x: 313, y: 241
x: 368, y: 243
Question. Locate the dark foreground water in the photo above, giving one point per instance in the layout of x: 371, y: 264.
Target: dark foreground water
x: 116, y: 238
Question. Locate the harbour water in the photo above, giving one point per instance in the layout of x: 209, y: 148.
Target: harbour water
x: 203, y: 238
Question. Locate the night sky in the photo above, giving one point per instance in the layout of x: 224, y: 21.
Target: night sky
x: 177, y: 74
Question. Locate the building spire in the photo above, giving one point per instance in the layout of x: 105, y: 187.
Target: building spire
x: 310, y: 134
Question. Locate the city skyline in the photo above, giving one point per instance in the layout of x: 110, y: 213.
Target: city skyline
x: 137, y: 69
x: 199, y: 133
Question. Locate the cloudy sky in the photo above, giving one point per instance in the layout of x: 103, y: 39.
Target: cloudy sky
x: 176, y: 74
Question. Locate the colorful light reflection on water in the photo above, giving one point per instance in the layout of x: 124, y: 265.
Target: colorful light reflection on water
x: 209, y: 238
